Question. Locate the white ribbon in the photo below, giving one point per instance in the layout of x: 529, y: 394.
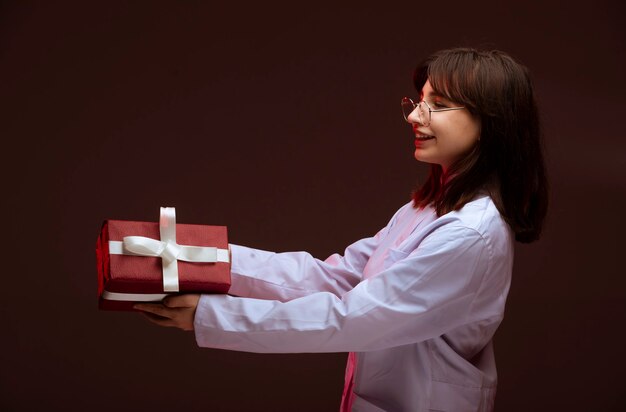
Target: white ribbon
x: 167, y: 249
x: 133, y: 297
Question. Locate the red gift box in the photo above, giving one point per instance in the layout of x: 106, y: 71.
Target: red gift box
x: 145, y: 261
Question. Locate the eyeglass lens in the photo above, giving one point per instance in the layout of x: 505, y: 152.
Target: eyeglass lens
x: 408, y: 106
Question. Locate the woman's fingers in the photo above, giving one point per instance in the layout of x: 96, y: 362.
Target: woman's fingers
x: 159, y: 320
x: 155, y: 308
x: 176, y: 311
x: 181, y: 301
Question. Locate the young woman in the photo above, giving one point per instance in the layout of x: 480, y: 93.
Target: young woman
x: 417, y: 304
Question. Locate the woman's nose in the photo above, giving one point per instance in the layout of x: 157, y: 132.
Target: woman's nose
x: 413, y: 117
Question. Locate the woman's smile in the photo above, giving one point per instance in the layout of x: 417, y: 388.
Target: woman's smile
x: 422, y: 136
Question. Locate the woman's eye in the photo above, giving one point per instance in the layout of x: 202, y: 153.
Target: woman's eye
x: 439, y: 105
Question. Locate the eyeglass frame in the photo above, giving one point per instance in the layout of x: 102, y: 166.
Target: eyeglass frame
x: 430, y: 110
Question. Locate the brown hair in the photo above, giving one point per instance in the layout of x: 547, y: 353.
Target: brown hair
x: 507, y: 161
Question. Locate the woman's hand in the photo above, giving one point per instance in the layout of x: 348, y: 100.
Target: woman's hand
x: 177, y: 311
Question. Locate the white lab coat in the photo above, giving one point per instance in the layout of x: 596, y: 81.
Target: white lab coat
x: 416, y: 305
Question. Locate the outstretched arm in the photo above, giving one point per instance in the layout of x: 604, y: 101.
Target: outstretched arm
x: 452, y: 278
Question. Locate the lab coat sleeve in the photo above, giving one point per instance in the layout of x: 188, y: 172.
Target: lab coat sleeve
x: 284, y: 276
x: 430, y: 291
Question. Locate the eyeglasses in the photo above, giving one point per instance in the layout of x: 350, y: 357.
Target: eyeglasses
x: 424, y: 111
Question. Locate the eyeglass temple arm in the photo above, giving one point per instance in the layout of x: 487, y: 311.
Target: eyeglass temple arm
x: 447, y: 109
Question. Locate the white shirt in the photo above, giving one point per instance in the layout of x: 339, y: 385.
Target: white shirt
x: 417, y: 304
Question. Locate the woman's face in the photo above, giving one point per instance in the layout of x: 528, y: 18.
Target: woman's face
x: 450, y: 134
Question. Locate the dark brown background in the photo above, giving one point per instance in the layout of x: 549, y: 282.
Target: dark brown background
x: 282, y: 122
